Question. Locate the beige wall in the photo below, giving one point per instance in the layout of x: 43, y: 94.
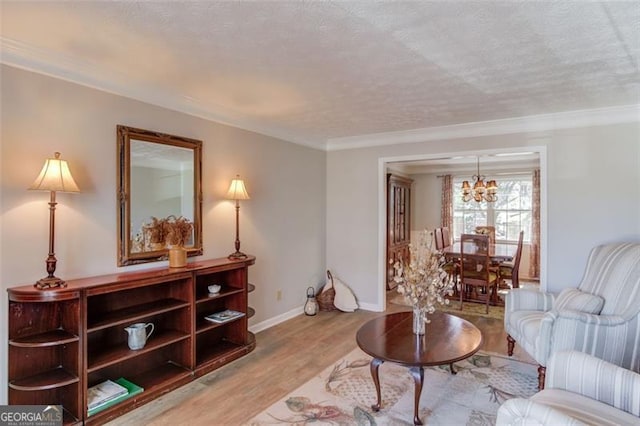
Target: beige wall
x: 426, y: 201
x: 592, y: 197
x: 283, y: 224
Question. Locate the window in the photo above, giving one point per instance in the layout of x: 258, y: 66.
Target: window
x: 510, y: 214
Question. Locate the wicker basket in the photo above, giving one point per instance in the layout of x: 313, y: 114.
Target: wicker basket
x: 325, y: 298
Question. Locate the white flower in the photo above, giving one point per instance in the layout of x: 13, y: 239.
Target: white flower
x: 421, y: 278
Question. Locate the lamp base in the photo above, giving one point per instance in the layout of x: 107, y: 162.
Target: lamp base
x: 49, y: 282
x: 237, y: 255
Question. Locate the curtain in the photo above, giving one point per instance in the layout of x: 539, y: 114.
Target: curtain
x: 534, y: 254
x: 446, y: 212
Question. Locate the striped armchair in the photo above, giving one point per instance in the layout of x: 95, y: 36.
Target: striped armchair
x: 580, y: 390
x: 601, y: 317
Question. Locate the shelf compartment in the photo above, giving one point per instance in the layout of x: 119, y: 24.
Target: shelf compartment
x: 220, y: 341
x: 203, y: 325
x: 136, y: 312
x: 68, y: 418
x: 47, y: 338
x: 157, y: 380
x: 31, y: 319
x: 54, y: 378
x: 224, y: 292
x: 218, y: 352
x: 161, y: 376
x: 116, y: 354
x: 229, y: 279
x: 42, y: 360
x: 67, y: 396
x: 215, y: 356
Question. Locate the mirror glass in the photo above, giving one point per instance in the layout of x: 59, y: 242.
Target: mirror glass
x: 159, y: 186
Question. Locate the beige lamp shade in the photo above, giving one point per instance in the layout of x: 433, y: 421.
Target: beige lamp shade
x: 237, y: 190
x: 55, y: 176
x: 479, y: 186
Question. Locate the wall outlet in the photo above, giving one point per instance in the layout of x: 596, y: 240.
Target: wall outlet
x: 279, y: 295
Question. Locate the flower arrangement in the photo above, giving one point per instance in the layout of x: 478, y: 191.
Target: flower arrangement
x: 154, y: 230
x: 422, y: 279
x: 170, y: 231
x: 177, y: 230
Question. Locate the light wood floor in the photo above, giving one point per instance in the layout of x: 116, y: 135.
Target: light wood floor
x: 286, y: 356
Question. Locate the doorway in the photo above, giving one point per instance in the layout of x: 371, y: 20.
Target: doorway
x: 463, y: 163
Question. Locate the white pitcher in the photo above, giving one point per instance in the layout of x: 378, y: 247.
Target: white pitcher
x: 138, y: 334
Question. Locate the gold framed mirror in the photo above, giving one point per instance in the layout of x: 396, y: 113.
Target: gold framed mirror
x: 159, y: 182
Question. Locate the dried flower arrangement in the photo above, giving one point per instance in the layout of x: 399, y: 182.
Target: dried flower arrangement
x: 170, y: 231
x: 177, y: 230
x: 422, y: 279
x: 154, y: 231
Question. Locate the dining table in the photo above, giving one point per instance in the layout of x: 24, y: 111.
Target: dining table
x: 498, y: 252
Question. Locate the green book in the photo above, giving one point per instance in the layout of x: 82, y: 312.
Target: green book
x: 132, y: 390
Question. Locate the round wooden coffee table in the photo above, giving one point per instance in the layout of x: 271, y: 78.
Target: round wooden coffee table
x: 390, y: 338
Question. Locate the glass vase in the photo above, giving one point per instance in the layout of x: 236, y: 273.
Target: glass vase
x: 419, y: 321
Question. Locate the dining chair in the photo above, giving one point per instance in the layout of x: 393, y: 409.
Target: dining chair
x: 510, y: 270
x: 446, y: 236
x: 487, y: 230
x: 478, y: 279
x: 437, y: 235
x: 450, y: 266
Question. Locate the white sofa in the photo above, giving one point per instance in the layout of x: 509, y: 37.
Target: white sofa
x: 579, y: 390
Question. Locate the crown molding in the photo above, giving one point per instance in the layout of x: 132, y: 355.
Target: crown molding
x: 527, y: 124
x: 71, y: 69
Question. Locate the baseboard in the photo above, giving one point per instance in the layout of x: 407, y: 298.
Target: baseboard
x: 263, y: 325
x: 370, y: 307
x: 256, y: 328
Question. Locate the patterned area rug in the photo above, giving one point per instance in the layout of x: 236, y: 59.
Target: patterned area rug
x: 468, y: 308
x: 343, y: 394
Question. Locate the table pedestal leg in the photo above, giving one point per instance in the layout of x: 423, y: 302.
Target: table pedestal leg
x: 453, y: 371
x: 418, y: 377
x: 375, y: 363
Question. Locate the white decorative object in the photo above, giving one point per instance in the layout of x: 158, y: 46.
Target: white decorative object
x: 311, y: 306
x: 137, y: 335
x: 345, y: 299
x: 214, y: 288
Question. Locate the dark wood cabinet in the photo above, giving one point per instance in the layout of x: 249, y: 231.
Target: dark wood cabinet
x: 398, y: 222
x: 65, y: 340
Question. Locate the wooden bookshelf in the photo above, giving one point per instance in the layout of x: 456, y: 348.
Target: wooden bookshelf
x: 63, y: 341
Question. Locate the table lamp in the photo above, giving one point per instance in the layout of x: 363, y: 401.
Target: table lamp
x: 54, y: 177
x: 237, y: 192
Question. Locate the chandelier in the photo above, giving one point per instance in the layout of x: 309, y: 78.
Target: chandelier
x: 480, y: 192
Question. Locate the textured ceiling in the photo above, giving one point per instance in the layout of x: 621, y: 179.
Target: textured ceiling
x: 312, y: 72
